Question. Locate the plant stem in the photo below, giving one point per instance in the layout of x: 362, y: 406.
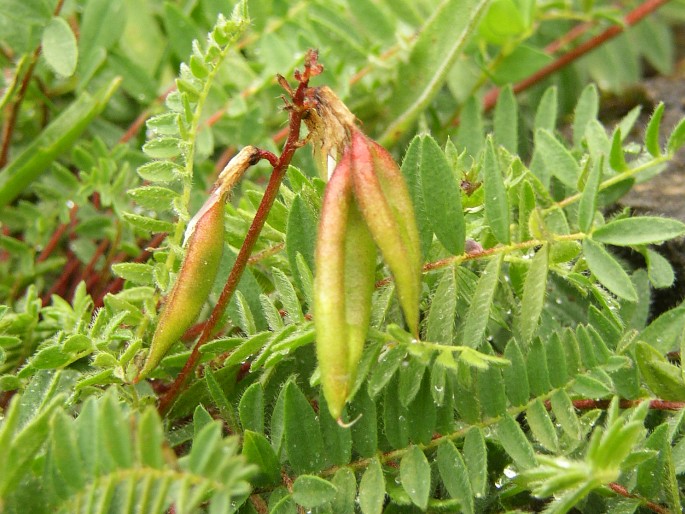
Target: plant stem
x: 11, y: 121
x: 622, y: 491
x: 296, y: 111
x: 630, y: 19
x: 611, y: 181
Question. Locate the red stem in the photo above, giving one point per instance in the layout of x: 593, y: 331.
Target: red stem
x: 296, y: 111
x: 588, y: 404
x: 60, y: 285
x: 57, y: 235
x: 633, y: 17
x: 118, y: 283
x: 142, y: 118
x: 11, y: 121
x: 622, y: 491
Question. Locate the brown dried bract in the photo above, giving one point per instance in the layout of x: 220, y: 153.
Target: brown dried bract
x: 330, y: 124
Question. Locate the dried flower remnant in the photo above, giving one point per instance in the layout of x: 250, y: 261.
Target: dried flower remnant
x: 330, y: 124
x: 204, y: 241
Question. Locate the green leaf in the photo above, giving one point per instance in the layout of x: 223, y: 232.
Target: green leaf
x: 410, y: 375
x: 591, y: 387
x: 259, y: 452
x: 588, y: 200
x: 372, y: 489
x: 476, y: 459
x: 346, y: 486
x: 52, y: 142
x: 251, y: 408
x: 655, y: 467
x: 542, y: 427
x: 659, y: 270
x: 546, y: 113
x: 137, y: 273
x: 415, y: 473
x: 502, y: 22
x: 219, y: 397
x: 565, y: 413
x: 288, y: 296
x: 479, y: 310
x: 160, y: 171
x: 300, y: 236
x: 311, y: 491
x: 411, y: 171
x: 444, y: 210
x: 617, y: 158
x: 388, y: 363
x: 538, y: 373
x: 148, y: 224
x: 443, y: 310
x: 663, y: 378
x: 640, y: 230
x: 515, y: 375
x: 455, y: 476
x: 153, y: 197
x: 664, y: 332
x: 336, y: 439
x: 533, y: 298
x: 245, y: 318
x: 522, y: 62
x: 586, y: 110
x: 490, y: 389
x: 506, y: 121
x: 677, y: 138
x: 652, y: 131
x: 558, y: 160
x: 608, y: 271
x: 515, y: 443
x: 163, y: 147
x: 496, y: 199
x: 440, y: 42
x: 422, y: 415
x: 470, y: 133
x: 65, y: 451
x: 59, y: 47
x: 364, y: 431
x: 303, y: 440
x: 395, y: 414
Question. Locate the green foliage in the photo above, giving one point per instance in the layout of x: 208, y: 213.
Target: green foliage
x: 539, y: 370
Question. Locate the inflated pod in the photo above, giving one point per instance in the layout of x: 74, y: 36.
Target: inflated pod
x: 386, y: 206
x: 204, y: 243
x: 345, y: 265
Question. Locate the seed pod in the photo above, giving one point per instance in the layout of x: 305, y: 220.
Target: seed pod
x: 345, y: 265
x: 385, y: 203
x: 204, y: 243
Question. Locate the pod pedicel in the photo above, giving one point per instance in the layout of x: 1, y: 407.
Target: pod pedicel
x: 204, y: 242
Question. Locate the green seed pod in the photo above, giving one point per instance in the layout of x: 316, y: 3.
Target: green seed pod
x: 345, y: 267
x: 205, y: 244
x: 385, y: 203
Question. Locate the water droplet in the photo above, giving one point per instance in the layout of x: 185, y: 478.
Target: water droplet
x: 509, y: 472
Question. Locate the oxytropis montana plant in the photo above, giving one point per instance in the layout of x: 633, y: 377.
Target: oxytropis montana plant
x: 237, y: 328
